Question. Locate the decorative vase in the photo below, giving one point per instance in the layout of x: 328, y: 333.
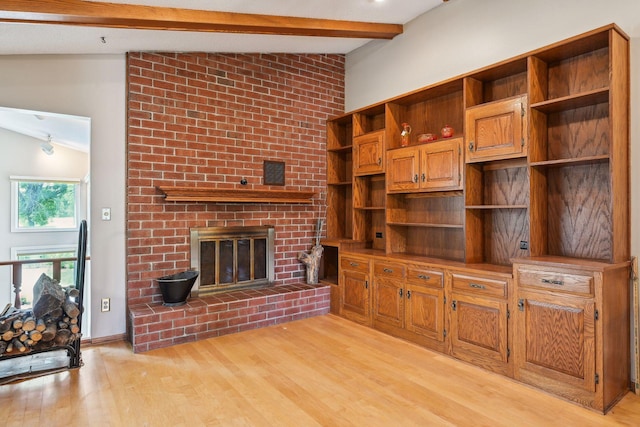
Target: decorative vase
x: 447, y: 131
x: 176, y: 287
x: 406, y: 131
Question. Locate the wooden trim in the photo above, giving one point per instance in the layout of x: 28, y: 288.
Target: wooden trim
x: 102, y: 14
x: 88, y: 342
x: 204, y: 194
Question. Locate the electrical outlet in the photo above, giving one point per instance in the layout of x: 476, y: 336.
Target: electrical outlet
x: 106, y: 215
x: 106, y: 304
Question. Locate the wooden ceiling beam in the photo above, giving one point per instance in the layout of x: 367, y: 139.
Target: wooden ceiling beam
x: 114, y: 15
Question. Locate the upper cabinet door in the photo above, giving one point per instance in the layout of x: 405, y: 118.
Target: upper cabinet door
x: 497, y: 130
x: 368, y: 154
x: 441, y: 167
x: 403, y: 174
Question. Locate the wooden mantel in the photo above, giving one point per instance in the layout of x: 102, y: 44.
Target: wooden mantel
x: 233, y: 195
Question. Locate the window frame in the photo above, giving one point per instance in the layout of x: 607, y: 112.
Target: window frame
x: 15, y: 217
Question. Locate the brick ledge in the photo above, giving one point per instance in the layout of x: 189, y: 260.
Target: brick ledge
x: 156, y: 326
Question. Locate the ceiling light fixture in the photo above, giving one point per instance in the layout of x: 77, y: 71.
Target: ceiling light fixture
x: 47, y: 147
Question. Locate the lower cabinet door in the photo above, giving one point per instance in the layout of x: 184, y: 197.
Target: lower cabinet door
x: 355, y: 296
x: 388, y: 296
x: 424, y: 311
x: 479, y: 331
x: 555, y: 344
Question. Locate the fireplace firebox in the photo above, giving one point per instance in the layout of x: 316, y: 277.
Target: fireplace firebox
x: 230, y: 258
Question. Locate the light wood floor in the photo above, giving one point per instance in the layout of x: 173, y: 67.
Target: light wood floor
x: 324, y: 371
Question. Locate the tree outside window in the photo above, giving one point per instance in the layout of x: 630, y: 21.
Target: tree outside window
x: 45, y: 205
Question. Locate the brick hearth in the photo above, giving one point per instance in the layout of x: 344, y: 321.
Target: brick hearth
x: 156, y: 326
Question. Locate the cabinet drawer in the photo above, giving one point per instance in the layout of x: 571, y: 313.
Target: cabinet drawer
x: 424, y: 277
x: 480, y: 285
x: 354, y: 264
x: 573, y: 283
x: 388, y: 270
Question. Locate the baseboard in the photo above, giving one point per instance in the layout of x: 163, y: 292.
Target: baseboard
x: 88, y: 342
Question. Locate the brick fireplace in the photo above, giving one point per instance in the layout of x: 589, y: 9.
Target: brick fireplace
x: 197, y: 119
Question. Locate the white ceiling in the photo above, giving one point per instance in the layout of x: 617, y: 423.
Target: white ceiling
x: 18, y: 38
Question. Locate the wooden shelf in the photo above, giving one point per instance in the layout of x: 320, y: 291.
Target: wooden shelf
x: 425, y: 225
x: 204, y: 194
x: 572, y: 162
x: 370, y: 208
x: 496, y: 207
x: 345, y: 148
x: 584, y: 99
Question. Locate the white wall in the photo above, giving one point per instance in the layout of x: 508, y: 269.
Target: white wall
x: 91, y: 86
x: 464, y: 35
x: 22, y: 156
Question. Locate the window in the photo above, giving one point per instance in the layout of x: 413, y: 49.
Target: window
x: 41, y: 204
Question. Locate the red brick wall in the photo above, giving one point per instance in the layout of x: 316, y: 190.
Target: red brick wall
x: 212, y: 119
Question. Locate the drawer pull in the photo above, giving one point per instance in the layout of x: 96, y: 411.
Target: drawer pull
x: 424, y: 277
x: 388, y: 270
x: 354, y: 264
x: 553, y: 282
x: 476, y: 286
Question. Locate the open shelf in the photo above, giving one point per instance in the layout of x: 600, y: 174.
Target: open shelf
x: 597, y: 96
x: 425, y: 225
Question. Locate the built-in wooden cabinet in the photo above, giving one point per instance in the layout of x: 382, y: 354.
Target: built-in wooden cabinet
x: 368, y: 151
x: 571, y: 336
x: 429, y: 167
x: 479, y: 317
x: 409, y: 301
x: 496, y: 130
x: 355, y: 286
x: 537, y: 171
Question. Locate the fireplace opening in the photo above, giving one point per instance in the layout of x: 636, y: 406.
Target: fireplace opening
x: 231, y: 258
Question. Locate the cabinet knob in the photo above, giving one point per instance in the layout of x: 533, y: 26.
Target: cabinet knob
x: 408, y: 294
x: 424, y: 178
x: 415, y: 178
x: 471, y: 146
x: 379, y: 161
x: 400, y: 292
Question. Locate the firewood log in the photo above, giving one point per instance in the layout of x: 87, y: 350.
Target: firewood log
x: 18, y: 346
x: 17, y: 324
x: 73, y: 320
x: 40, y: 325
x: 29, y: 324
x: 71, y: 308
x: 50, y: 332
x: 7, y: 322
x: 74, y: 328
x: 35, y: 335
x: 23, y: 337
x: 48, y: 296
x: 63, y: 325
x: 62, y: 337
x: 3, y: 346
x: 9, y: 347
x: 7, y: 335
x: 73, y: 292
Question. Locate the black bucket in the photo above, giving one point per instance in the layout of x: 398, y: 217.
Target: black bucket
x: 176, y: 287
